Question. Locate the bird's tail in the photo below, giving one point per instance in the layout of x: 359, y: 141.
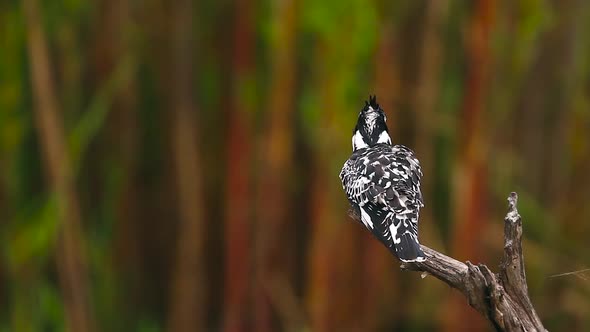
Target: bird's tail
x: 407, y: 247
x: 408, y: 250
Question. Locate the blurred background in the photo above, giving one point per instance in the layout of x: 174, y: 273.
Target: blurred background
x: 173, y: 165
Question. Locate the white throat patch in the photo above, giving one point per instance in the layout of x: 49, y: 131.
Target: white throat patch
x: 358, y: 142
x: 384, y: 138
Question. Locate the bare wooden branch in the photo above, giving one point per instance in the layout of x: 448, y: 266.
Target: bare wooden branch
x: 502, y: 298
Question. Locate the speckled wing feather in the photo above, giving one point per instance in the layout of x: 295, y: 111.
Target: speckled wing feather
x: 382, y: 183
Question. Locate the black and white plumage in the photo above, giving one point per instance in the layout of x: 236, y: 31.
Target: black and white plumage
x: 382, y: 183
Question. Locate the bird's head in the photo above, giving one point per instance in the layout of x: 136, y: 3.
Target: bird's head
x: 370, y: 128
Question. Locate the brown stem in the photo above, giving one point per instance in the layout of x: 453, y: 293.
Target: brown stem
x: 274, y: 264
x: 70, y: 258
x: 238, y: 221
x: 187, y: 296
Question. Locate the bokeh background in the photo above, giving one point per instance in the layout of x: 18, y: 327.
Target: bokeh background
x: 173, y: 165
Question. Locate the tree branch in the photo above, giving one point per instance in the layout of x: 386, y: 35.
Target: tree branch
x: 502, y: 298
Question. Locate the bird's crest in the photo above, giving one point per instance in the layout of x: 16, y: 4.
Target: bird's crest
x: 372, y: 102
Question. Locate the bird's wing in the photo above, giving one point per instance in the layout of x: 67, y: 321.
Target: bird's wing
x: 408, y: 173
x: 355, y: 182
x: 407, y: 204
x: 384, y: 183
x: 380, y: 175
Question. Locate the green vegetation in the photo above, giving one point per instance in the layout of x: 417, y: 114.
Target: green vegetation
x: 173, y: 165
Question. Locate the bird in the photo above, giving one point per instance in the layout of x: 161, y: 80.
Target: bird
x: 382, y: 184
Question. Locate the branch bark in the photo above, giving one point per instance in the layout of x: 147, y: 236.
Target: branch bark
x: 502, y: 298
